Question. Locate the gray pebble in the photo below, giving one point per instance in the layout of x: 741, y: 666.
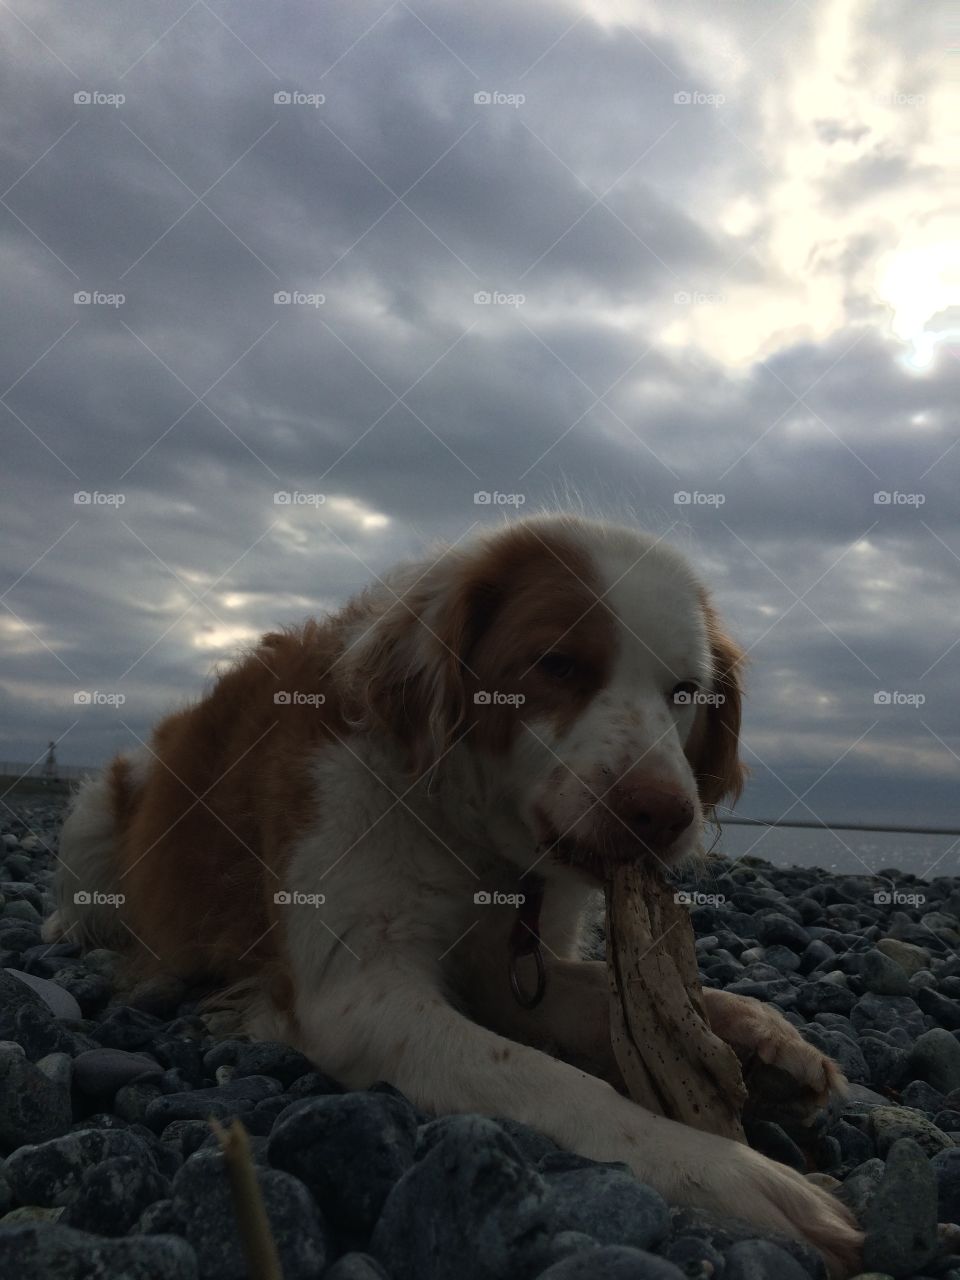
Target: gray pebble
x: 33, y: 1107
x: 60, y: 1002
x: 935, y: 1057
x: 49, y: 1251
x: 901, y: 1219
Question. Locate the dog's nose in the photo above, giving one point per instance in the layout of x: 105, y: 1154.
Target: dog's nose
x: 657, y: 816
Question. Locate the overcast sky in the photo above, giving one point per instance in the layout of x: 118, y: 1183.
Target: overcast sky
x: 719, y: 247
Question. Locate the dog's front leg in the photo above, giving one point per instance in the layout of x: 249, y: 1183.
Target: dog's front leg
x: 391, y: 1022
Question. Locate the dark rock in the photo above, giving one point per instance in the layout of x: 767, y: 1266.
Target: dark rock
x: 132, y: 1101
x: 533, y: 1146
x: 935, y: 1057
x: 470, y: 1184
x: 776, y: 928
x: 51, y: 1173
x: 822, y: 996
x: 842, y: 1049
x: 882, y: 975
x: 222, y: 1102
x: 59, y: 1001
x: 860, y: 1186
x: 48, y: 1251
x: 356, y: 1266
x: 185, y: 1136
x: 909, y: 957
x: 126, y: 1028
x: 39, y: 1033
x: 901, y: 1219
x: 945, y: 1011
x: 101, y: 1072
x: 723, y: 1232
x: 185, y: 1055
x: 611, y: 1262
x: 202, y: 1203
x: 946, y: 1168
x: 33, y: 1108
x: 113, y: 1194
x: 15, y: 995
x: 889, y: 1124
x: 313, y: 1085
x: 90, y: 991
x: 882, y: 1013
x: 696, y: 1258
x: 761, y: 1260
x: 886, y: 1063
x: 349, y: 1149
x: 855, y: 1145
x: 608, y: 1204
x: 280, y: 1061
x: 773, y: 1141
x: 158, y: 1219
x: 921, y: 1097
x: 816, y: 953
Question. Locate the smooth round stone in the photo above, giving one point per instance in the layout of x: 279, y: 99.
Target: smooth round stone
x: 350, y: 1149
x: 60, y: 1002
x: 946, y: 1168
x: 882, y: 975
x: 51, y: 1172
x: 203, y: 1205
x: 759, y: 1260
x: 33, y: 1108
x: 613, y: 1262
x: 50, y: 1251
x: 888, y: 1124
x: 113, y: 1194
x: 609, y: 1205
x: 356, y: 1266
x: 101, y: 1072
x: 58, y: 1068
x: 935, y: 1058
x: 901, y: 1219
x: 470, y: 1185
x: 22, y: 910
x: 777, y: 928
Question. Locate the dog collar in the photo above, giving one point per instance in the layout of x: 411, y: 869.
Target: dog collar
x: 525, y: 941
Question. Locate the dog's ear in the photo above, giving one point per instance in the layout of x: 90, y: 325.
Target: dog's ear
x: 409, y: 671
x: 713, y: 747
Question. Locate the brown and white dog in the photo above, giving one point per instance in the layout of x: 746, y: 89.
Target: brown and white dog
x: 341, y: 831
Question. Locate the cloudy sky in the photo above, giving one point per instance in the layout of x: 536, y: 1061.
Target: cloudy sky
x: 397, y: 254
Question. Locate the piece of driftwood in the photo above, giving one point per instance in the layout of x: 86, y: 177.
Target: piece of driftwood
x: 253, y: 1225
x: 670, y: 1060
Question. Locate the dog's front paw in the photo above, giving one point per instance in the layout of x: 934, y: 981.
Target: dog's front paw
x: 756, y: 1029
x: 744, y: 1184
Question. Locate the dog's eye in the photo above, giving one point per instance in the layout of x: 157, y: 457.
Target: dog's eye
x: 558, y: 666
x: 683, y: 694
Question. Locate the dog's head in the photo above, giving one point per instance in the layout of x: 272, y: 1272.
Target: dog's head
x: 585, y: 670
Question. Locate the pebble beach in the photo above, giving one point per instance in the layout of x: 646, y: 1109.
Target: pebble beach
x: 109, y: 1167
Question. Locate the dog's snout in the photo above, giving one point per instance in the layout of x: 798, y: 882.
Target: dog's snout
x: 656, y: 815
